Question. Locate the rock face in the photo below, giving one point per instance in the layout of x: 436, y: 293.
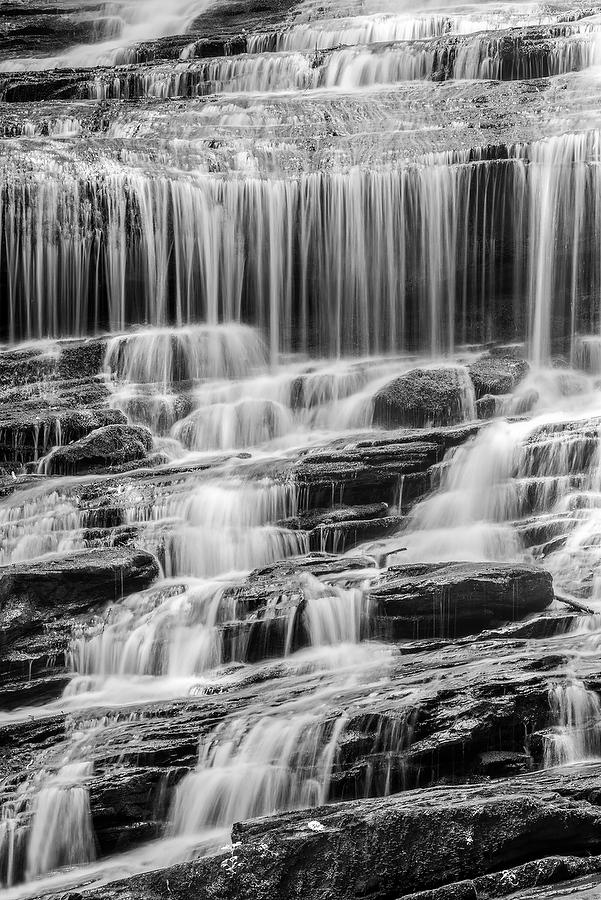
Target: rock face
x: 112, y: 445
x: 440, y: 396
x: 473, y: 842
x: 452, y: 599
x: 497, y: 375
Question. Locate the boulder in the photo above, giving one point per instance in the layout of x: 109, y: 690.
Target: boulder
x: 112, y: 445
x: 497, y: 375
x: 452, y: 599
x: 438, y: 396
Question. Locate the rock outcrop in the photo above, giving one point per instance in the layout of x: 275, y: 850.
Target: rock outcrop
x: 452, y: 599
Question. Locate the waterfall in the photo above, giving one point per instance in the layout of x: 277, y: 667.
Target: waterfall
x: 577, y: 712
x: 194, y: 252
x: 131, y: 22
x: 61, y: 831
x: 335, y: 269
x: 247, y: 772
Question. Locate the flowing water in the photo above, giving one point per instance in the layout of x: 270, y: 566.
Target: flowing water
x: 261, y: 219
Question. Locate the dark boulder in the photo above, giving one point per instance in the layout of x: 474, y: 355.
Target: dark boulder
x: 451, y: 599
x: 497, y: 374
x: 112, y: 445
x: 387, y: 468
x: 438, y: 396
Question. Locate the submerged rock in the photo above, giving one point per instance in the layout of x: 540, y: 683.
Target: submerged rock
x: 440, y: 396
x: 450, y: 599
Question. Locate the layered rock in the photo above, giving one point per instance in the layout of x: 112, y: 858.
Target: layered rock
x: 451, y: 599
x: 478, y: 841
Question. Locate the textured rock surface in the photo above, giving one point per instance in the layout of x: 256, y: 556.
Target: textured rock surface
x: 449, y: 599
x: 446, y: 839
x: 496, y: 375
x: 112, y: 445
x: 424, y: 397
x: 35, y: 593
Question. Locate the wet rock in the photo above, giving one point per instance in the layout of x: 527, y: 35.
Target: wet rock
x: 342, y: 536
x: 495, y: 375
x: 112, y: 445
x: 393, y: 469
x: 35, y: 594
x: 488, y: 407
x: 499, y: 763
x: 55, y: 360
x: 421, y: 397
x: 338, y: 529
x: 449, y: 842
x: 450, y: 599
x: 28, y: 432
x: 334, y: 515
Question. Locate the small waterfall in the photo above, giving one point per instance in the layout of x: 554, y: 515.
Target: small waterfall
x: 46, y: 522
x: 168, y: 356
x: 48, y: 822
x: 425, y: 286
x: 508, y: 473
x: 577, y: 735
x: 247, y: 770
x: 337, y: 616
x: 219, y: 526
x: 171, y: 632
x: 61, y: 830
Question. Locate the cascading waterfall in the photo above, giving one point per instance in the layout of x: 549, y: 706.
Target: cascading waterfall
x: 61, y: 831
x: 194, y: 253
x: 262, y: 225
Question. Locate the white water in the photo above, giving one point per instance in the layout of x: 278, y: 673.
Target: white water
x: 281, y: 256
